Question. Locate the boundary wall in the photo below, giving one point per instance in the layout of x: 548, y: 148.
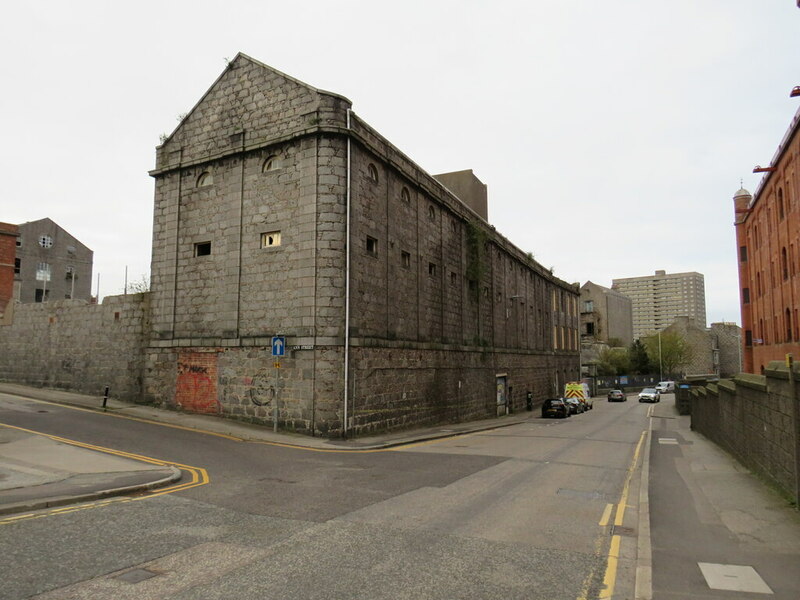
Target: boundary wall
x: 753, y: 418
x: 77, y: 346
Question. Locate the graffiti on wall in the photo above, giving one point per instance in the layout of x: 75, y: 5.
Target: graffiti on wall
x: 196, y: 385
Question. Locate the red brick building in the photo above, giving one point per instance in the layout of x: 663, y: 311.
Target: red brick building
x: 768, y: 240
x: 8, y: 254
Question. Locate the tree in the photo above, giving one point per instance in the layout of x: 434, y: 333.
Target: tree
x: 140, y: 285
x: 613, y: 361
x: 671, y: 351
x: 640, y: 361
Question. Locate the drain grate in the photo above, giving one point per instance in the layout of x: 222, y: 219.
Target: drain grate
x: 136, y: 575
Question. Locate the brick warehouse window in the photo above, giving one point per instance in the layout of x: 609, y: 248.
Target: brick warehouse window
x: 743, y: 253
x: 405, y: 260
x: 748, y: 338
x: 270, y: 239
x: 745, y: 295
x: 372, y: 246
x: 202, y: 249
x: 205, y: 179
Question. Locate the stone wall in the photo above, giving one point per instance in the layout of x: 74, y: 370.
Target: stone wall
x: 77, y: 346
x: 751, y: 417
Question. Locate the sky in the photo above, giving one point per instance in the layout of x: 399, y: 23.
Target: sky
x: 612, y: 135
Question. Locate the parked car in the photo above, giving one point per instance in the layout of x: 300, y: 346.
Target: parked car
x: 665, y: 387
x: 617, y: 396
x: 555, y: 407
x: 649, y: 395
x: 575, y: 406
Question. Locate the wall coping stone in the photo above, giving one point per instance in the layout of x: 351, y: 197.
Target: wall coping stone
x: 749, y: 380
x: 713, y: 389
x: 727, y: 384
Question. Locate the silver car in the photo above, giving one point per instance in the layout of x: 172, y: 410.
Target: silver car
x: 649, y: 395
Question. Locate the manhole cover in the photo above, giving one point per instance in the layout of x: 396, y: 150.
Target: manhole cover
x: 136, y: 575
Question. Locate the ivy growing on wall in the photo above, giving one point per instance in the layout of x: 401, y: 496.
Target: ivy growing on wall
x: 476, y: 264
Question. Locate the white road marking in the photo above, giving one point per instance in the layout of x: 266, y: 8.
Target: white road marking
x: 734, y: 578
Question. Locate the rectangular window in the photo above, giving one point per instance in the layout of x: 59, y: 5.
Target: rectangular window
x: 588, y: 306
x: 432, y: 269
x: 748, y: 338
x: 743, y: 253
x: 372, y: 246
x: 405, y: 260
x: 41, y: 295
x: 42, y: 272
x: 17, y: 263
x: 202, y: 249
x: 746, y: 295
x: 453, y: 278
x: 589, y: 328
x: 270, y: 239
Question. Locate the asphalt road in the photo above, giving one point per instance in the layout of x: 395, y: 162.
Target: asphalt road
x: 517, y: 512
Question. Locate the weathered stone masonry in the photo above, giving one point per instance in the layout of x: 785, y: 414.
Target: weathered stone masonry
x: 250, y: 241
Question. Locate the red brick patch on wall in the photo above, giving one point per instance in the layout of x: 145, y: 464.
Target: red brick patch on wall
x: 196, y: 386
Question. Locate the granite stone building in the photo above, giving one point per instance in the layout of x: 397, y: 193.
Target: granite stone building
x: 606, y: 315
x: 715, y: 350
x: 279, y: 212
x: 51, y: 264
x: 768, y: 239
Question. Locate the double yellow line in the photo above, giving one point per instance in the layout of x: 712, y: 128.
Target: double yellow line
x: 610, y: 577
x: 197, y: 477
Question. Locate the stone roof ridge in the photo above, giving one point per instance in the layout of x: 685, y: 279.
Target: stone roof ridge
x: 241, y: 56
x: 289, y: 77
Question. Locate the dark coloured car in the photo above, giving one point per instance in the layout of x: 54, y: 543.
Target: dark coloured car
x: 555, y: 407
x: 575, y: 406
x: 616, y: 396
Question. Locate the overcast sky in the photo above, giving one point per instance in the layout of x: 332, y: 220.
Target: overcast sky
x: 612, y: 135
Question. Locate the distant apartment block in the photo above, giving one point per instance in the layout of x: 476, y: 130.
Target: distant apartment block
x: 606, y: 315
x: 659, y: 299
x: 50, y: 264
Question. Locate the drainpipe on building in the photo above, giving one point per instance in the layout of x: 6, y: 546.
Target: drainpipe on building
x: 347, y: 290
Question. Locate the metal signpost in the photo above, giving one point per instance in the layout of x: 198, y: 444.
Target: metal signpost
x: 278, y: 350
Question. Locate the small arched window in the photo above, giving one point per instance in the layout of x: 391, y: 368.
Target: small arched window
x: 788, y: 322
x: 372, y: 171
x: 780, y: 204
x: 431, y: 212
x: 405, y: 195
x: 205, y: 179
x: 273, y: 163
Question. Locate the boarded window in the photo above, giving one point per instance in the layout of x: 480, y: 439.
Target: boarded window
x: 270, y: 239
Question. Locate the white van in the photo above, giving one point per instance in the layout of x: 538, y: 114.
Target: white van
x: 665, y: 387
